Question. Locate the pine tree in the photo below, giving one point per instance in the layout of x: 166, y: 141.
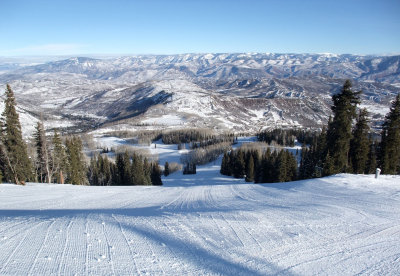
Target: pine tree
x: 256, y: 159
x: 321, y: 147
x: 281, y: 167
x: 239, y: 165
x: 266, y: 168
x: 371, y: 160
x: 127, y: 179
x: 390, y: 145
x: 250, y: 169
x: 93, y: 171
x: 119, y: 170
x: 359, y: 145
x: 147, y: 172
x: 291, y: 167
x: 166, y: 169
x: 339, y: 130
x: 155, y: 174
x: 302, y: 167
x: 226, y: 164
x: 17, y: 166
x: 138, y: 170
x: 328, y: 166
x: 59, y: 158
x: 76, y: 164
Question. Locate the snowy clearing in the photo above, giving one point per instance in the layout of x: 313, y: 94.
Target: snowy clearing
x: 203, y: 224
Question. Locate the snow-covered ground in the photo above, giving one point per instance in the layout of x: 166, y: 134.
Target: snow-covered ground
x: 203, y: 224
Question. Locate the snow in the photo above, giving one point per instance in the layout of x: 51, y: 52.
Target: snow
x: 27, y: 121
x: 376, y: 109
x: 167, y: 120
x: 109, y: 142
x: 203, y: 224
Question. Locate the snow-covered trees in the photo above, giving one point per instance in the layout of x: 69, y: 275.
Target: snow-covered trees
x: 206, y: 154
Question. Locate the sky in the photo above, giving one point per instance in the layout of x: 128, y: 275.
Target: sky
x: 123, y: 27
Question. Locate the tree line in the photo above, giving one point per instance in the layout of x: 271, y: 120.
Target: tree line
x: 286, y: 137
x: 260, y: 167
x: 197, y: 137
x: 127, y: 170
x: 345, y: 145
x: 55, y: 161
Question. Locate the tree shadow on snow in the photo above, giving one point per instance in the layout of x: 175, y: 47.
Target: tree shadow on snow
x: 202, y: 257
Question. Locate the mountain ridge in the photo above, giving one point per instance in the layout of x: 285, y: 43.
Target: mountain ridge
x: 246, y: 91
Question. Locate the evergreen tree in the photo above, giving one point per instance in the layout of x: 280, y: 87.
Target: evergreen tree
x: 266, y: 172
x: 119, y: 170
x: 239, y: 165
x: 155, y: 174
x: 281, y: 167
x: 166, y: 169
x: 147, y: 172
x: 328, y: 166
x: 225, y: 165
x: 359, y: 145
x: 59, y: 158
x: 13, y: 151
x: 127, y: 179
x: 320, y: 150
x: 339, y: 129
x: 371, y: 160
x: 308, y: 164
x: 257, y: 165
x: 93, y: 171
x: 138, y: 171
x: 250, y: 169
x: 390, y: 145
x: 302, y: 167
x: 291, y: 167
x: 76, y: 164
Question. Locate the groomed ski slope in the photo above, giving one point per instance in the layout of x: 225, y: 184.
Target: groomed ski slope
x: 204, y: 224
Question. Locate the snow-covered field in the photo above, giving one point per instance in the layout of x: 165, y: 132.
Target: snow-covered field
x: 203, y: 224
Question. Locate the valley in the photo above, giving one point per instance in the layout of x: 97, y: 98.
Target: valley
x: 224, y: 92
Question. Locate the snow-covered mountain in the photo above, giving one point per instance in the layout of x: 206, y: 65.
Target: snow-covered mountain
x: 224, y: 91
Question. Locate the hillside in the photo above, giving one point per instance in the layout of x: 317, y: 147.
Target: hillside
x: 239, y: 92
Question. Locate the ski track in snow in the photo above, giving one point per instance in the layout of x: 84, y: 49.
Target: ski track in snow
x: 203, y: 224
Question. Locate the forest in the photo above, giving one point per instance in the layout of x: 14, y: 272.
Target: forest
x: 345, y: 145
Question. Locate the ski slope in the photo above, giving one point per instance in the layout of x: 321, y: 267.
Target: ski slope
x: 203, y: 224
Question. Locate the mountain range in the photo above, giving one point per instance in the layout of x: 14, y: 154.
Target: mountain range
x: 226, y: 92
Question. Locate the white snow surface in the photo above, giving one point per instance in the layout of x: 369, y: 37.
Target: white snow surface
x: 203, y: 224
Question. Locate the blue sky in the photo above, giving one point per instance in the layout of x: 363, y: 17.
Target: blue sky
x: 52, y: 27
